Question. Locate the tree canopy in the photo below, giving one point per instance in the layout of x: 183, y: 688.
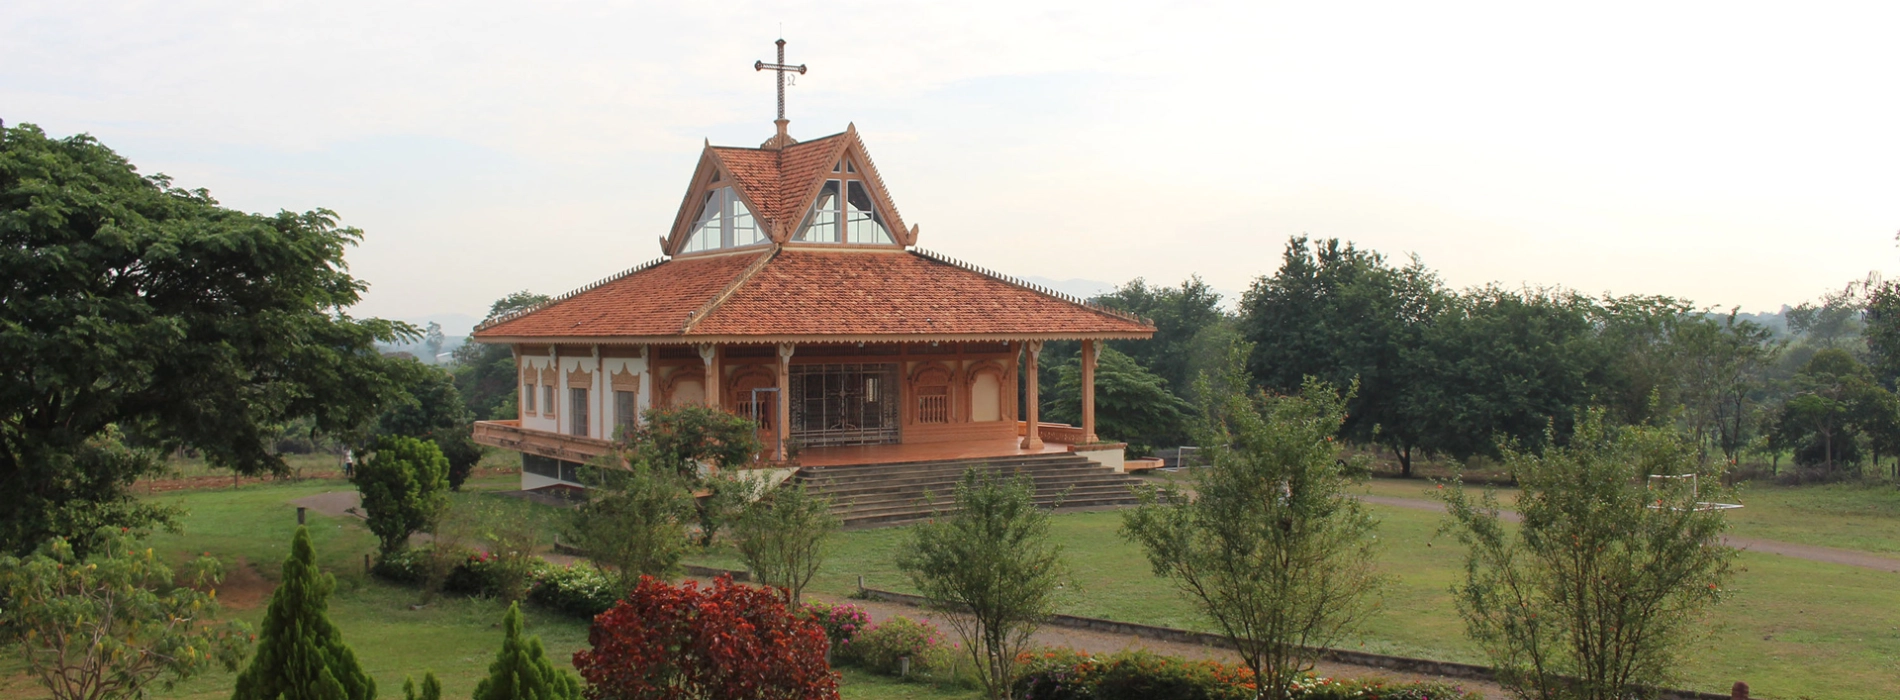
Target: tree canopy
x: 127, y: 301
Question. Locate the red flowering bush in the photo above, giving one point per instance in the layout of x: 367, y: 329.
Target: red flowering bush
x: 842, y: 621
x: 725, y: 642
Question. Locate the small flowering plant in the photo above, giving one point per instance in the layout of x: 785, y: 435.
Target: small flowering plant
x: 842, y: 621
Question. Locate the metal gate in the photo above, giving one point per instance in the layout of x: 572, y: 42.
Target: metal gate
x: 844, y: 404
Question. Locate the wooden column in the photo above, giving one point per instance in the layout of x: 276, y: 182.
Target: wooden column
x: 1091, y: 349
x: 710, y: 355
x: 784, y: 413
x: 1033, y: 439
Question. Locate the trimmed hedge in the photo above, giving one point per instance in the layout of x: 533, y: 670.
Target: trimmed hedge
x: 1139, y: 675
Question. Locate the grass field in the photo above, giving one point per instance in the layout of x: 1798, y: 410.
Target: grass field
x: 251, y: 526
x: 1793, y: 628
x: 1862, y: 517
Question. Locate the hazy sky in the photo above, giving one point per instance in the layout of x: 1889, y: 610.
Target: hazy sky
x: 1729, y: 153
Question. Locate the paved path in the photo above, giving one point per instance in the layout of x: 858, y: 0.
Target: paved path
x: 1830, y: 555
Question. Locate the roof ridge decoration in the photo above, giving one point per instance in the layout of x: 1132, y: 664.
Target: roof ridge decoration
x: 510, y: 316
x: 1006, y: 279
x: 695, y: 316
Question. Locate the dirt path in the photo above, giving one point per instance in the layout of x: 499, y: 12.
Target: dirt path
x: 334, y: 503
x: 1829, y: 555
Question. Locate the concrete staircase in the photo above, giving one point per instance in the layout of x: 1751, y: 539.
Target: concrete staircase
x: 873, y: 495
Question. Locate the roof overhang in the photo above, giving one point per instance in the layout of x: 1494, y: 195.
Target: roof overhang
x: 801, y: 339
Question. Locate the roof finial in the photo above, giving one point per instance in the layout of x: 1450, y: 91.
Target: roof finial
x: 782, y: 139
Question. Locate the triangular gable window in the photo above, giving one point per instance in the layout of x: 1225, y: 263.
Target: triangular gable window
x: 723, y: 222
x: 850, y: 218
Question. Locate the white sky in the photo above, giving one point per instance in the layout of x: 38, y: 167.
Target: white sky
x: 1729, y: 153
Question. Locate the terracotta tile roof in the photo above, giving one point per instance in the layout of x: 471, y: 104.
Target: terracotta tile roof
x: 807, y: 292
x: 652, y: 301
x: 780, y: 182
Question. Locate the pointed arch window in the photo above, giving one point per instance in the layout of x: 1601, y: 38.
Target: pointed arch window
x: 724, y: 222
x: 844, y: 212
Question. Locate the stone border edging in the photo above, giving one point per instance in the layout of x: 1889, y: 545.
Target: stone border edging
x: 1448, y: 669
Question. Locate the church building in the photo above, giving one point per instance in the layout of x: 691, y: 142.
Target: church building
x: 790, y: 290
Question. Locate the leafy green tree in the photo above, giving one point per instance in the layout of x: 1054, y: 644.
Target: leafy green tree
x: 486, y: 375
x: 1724, y: 379
x: 682, y: 438
x: 782, y: 537
x: 404, y: 486
x: 300, y: 654
x: 990, y: 567
x: 432, y: 341
x: 1180, y: 315
x: 1269, y: 547
x: 1882, y: 331
x: 1836, y: 322
x: 1598, y: 593
x: 1503, y: 363
x: 127, y: 301
x: 1131, y: 403
x: 1345, y: 315
x: 634, y: 522
x: 115, y: 623
x: 1835, y: 405
x: 432, y: 409
x: 522, y: 670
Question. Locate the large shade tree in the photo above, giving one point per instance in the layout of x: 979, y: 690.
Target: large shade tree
x: 127, y: 301
x: 1343, y: 315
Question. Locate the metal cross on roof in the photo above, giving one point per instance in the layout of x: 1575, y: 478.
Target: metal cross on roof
x: 780, y: 68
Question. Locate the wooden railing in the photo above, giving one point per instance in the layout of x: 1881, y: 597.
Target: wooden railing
x: 1059, y: 433
x: 509, y: 435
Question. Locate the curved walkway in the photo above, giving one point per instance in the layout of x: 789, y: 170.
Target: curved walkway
x: 1829, y: 555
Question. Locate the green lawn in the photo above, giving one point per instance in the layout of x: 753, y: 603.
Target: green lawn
x: 1832, y: 631
x: 1863, y: 517
x: 1792, y: 628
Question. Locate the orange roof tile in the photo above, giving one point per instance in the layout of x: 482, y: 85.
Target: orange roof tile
x: 805, y: 292
x: 779, y: 181
x: 653, y: 301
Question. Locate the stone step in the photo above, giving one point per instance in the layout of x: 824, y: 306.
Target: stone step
x: 1074, y: 492
x: 871, y: 495
x: 929, y: 480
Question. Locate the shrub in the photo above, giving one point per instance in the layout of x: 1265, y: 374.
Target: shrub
x: 878, y: 649
x: 579, y: 590
x: 842, y: 621
x: 404, y: 486
x: 1314, y: 688
x: 727, y: 641
x: 1061, y: 674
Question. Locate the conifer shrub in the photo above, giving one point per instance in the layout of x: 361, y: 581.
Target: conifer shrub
x: 725, y: 641
x: 300, y: 654
x: 431, y: 688
x: 521, y: 670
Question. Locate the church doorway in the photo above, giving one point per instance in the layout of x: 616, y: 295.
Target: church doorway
x: 844, y: 404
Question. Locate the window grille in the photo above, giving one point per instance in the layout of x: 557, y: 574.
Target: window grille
x: 844, y: 404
